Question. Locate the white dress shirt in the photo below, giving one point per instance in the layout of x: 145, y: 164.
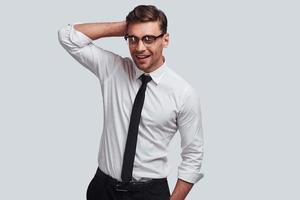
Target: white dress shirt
x: 170, y: 104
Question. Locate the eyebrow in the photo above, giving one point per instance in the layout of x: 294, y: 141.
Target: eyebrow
x: 138, y: 37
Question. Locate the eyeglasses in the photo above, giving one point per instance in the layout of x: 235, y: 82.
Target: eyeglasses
x: 147, y: 39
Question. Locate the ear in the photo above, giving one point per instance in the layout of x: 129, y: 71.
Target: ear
x: 166, y: 40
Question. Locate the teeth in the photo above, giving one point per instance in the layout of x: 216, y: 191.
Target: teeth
x: 141, y: 57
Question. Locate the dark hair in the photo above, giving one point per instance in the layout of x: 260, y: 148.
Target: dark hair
x: 148, y: 13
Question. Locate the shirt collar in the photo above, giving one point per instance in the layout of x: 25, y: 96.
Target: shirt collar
x: 156, y: 75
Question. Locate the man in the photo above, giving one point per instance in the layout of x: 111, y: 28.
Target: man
x: 144, y: 103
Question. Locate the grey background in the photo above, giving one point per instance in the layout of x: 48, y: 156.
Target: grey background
x: 241, y: 56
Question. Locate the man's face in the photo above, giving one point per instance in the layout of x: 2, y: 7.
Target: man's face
x: 147, y: 57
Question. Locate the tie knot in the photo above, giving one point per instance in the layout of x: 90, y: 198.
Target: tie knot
x: 145, y: 78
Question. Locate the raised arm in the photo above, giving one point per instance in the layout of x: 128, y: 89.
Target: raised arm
x: 102, y: 29
x: 77, y: 40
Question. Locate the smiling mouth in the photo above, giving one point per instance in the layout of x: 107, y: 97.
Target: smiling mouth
x: 142, y: 57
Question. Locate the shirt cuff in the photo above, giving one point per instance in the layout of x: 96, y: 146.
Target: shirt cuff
x: 77, y: 37
x: 190, y: 177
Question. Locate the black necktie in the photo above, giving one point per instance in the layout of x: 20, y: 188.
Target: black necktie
x: 135, y: 117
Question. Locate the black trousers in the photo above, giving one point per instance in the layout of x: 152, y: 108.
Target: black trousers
x: 104, y: 187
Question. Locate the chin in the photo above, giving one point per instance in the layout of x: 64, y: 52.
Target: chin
x: 143, y: 66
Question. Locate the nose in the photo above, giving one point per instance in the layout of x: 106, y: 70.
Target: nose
x: 140, y: 46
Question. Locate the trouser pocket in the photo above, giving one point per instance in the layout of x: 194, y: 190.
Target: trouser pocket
x: 158, y: 191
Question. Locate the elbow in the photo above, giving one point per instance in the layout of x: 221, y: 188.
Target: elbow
x: 61, y: 34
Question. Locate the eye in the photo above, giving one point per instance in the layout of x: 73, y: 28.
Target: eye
x: 148, y: 39
x: 132, y: 39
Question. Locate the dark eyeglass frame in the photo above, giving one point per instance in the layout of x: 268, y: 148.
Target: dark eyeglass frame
x: 143, y: 39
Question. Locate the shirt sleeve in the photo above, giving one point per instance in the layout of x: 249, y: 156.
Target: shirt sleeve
x: 191, y: 133
x: 101, y: 62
